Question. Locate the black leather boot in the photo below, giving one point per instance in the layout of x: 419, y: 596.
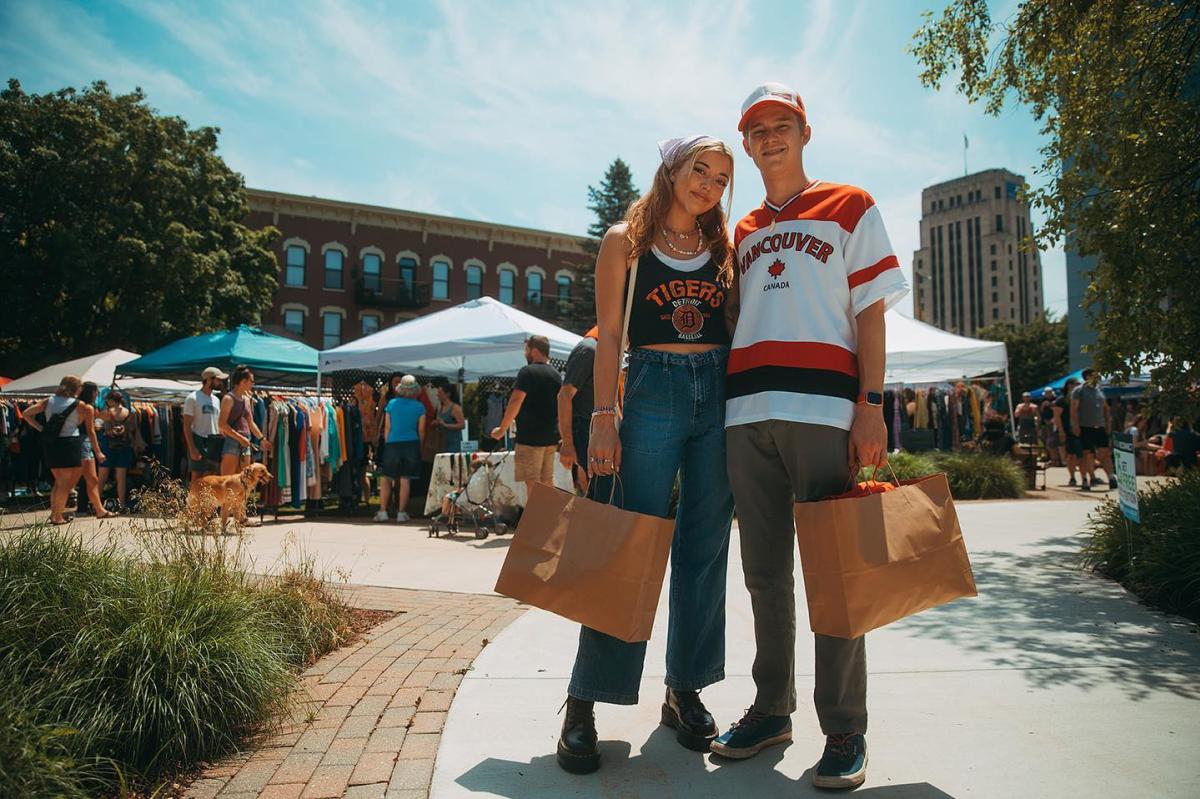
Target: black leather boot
x: 694, y: 726
x: 578, y: 751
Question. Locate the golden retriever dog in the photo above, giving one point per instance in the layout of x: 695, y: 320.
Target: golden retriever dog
x: 228, y: 492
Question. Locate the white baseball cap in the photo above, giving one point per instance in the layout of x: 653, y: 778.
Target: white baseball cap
x: 213, y: 371
x: 775, y: 93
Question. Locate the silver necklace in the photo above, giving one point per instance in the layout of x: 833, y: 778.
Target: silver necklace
x: 668, y: 234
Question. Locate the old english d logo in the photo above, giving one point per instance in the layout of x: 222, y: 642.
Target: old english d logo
x: 776, y: 269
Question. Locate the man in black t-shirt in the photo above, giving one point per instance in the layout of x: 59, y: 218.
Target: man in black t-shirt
x: 533, y: 406
x: 576, y: 399
x: 1062, y: 422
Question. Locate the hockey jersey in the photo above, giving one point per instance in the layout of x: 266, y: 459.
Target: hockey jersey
x: 805, y: 270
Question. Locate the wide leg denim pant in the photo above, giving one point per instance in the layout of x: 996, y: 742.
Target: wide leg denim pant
x: 673, y: 424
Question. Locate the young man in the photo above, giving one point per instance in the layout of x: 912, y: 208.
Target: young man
x: 533, y: 405
x: 201, y: 411
x: 575, y: 403
x: 1066, y: 431
x: 804, y: 408
x: 1091, y: 424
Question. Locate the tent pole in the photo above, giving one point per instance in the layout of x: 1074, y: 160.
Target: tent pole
x: 1012, y: 423
x: 318, y: 379
x: 462, y: 387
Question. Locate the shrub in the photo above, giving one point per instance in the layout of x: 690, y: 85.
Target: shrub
x: 124, y: 664
x: 1164, y: 570
x: 971, y: 475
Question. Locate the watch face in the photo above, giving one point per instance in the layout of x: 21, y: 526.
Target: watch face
x: 874, y: 398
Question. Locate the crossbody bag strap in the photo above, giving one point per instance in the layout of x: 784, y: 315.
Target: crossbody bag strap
x: 631, y: 284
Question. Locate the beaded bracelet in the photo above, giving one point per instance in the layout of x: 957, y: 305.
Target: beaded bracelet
x: 604, y: 412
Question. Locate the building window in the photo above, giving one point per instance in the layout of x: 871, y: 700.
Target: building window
x: 997, y: 194
x: 932, y: 206
x: 941, y: 204
x: 295, y: 265
x: 564, y: 288
x: 371, y: 268
x: 370, y: 324
x: 533, y: 290
x: 441, y: 280
x: 995, y: 313
x: 474, y: 282
x: 331, y: 326
x: 293, y: 321
x: 995, y: 295
x: 999, y: 223
x: 408, y: 273
x: 508, y: 284
x: 333, y: 269
x: 993, y: 277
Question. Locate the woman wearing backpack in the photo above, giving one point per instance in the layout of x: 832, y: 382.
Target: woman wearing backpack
x: 61, y: 441
x: 116, y: 443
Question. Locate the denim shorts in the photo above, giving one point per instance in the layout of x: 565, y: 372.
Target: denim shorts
x: 401, y: 459
x: 234, y: 447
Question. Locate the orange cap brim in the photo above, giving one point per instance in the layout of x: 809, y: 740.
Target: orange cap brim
x: 770, y: 101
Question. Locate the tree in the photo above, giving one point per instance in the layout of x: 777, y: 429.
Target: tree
x: 118, y: 228
x: 1116, y: 86
x: 609, y: 203
x: 1037, y: 351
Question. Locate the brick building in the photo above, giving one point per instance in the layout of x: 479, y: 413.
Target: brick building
x: 348, y: 269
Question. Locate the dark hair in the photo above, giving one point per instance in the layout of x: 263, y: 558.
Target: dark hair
x: 393, y: 377
x: 539, y: 343
x: 114, y: 394
x: 241, y: 373
x: 88, y: 393
x: 450, y: 389
x: 1087, y: 373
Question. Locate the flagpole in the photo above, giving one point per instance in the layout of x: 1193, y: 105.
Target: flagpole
x: 965, y: 145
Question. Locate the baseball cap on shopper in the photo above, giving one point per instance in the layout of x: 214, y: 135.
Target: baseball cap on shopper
x: 213, y: 371
x: 775, y: 93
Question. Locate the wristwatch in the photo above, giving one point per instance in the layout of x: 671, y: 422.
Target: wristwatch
x: 870, y: 398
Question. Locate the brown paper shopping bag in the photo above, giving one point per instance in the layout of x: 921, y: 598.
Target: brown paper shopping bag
x: 589, y: 562
x: 871, y: 560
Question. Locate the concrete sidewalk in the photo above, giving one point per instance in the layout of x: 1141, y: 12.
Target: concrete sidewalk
x: 1051, y: 683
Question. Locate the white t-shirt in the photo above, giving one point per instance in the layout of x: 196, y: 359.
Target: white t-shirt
x: 205, y: 410
x: 805, y: 271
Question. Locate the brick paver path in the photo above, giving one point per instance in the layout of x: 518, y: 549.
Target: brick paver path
x: 374, y: 720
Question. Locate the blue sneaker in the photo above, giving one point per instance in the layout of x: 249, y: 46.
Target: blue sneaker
x: 844, y: 763
x: 752, y: 734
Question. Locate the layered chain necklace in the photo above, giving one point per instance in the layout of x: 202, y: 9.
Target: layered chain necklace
x: 670, y: 237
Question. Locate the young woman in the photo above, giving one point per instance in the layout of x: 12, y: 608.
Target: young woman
x: 450, y: 417
x: 116, y: 442
x: 64, y: 453
x: 91, y: 450
x: 403, y: 432
x: 673, y: 424
x: 236, y: 422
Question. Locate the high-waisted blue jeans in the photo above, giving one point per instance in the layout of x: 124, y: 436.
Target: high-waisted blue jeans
x: 674, y: 424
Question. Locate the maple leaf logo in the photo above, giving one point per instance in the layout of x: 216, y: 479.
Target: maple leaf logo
x: 776, y: 269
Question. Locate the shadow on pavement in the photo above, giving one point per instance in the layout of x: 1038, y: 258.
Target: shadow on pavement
x: 664, y: 769
x: 1061, y: 625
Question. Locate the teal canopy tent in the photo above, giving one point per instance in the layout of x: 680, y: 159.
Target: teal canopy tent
x: 276, y: 360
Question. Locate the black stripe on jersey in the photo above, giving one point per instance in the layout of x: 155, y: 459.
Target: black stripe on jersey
x: 825, y: 382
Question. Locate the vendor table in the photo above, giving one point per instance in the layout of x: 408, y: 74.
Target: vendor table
x: 451, y: 469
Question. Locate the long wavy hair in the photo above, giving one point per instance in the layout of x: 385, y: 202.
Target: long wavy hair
x: 648, y: 214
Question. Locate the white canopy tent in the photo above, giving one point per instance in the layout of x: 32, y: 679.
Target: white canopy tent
x: 921, y: 353
x: 475, y: 339
x: 99, y: 369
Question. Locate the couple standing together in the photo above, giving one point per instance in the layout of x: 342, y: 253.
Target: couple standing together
x: 755, y: 374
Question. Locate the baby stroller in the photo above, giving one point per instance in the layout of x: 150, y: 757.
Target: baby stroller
x: 463, y: 512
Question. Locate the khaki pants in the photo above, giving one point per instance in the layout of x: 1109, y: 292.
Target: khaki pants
x: 772, y: 465
x: 535, y: 463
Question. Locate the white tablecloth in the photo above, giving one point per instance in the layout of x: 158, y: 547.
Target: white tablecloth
x: 450, y: 469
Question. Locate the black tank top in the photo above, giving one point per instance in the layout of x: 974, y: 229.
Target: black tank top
x: 677, y: 305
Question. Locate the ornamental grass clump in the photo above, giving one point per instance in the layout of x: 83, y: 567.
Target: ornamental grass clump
x: 971, y: 475
x: 131, y: 658
x: 1158, y: 559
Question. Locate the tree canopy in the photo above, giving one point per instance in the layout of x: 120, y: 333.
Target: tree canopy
x: 119, y: 227
x: 1037, y: 351
x: 1116, y: 87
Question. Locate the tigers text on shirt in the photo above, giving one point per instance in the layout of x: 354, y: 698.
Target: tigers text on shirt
x: 806, y: 269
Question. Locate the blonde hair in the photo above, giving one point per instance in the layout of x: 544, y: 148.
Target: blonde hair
x: 69, y: 386
x: 648, y: 214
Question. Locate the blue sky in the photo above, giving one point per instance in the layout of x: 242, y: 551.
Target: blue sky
x: 507, y: 112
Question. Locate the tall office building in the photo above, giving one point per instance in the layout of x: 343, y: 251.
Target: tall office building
x: 971, y: 270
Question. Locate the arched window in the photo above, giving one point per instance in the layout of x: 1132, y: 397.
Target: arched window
x: 408, y: 275
x: 370, y: 324
x: 474, y: 282
x: 293, y: 320
x: 333, y: 268
x: 533, y: 290
x: 564, y: 288
x: 331, y: 329
x: 372, y: 264
x: 295, y: 265
x: 441, y: 280
x: 508, y: 283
